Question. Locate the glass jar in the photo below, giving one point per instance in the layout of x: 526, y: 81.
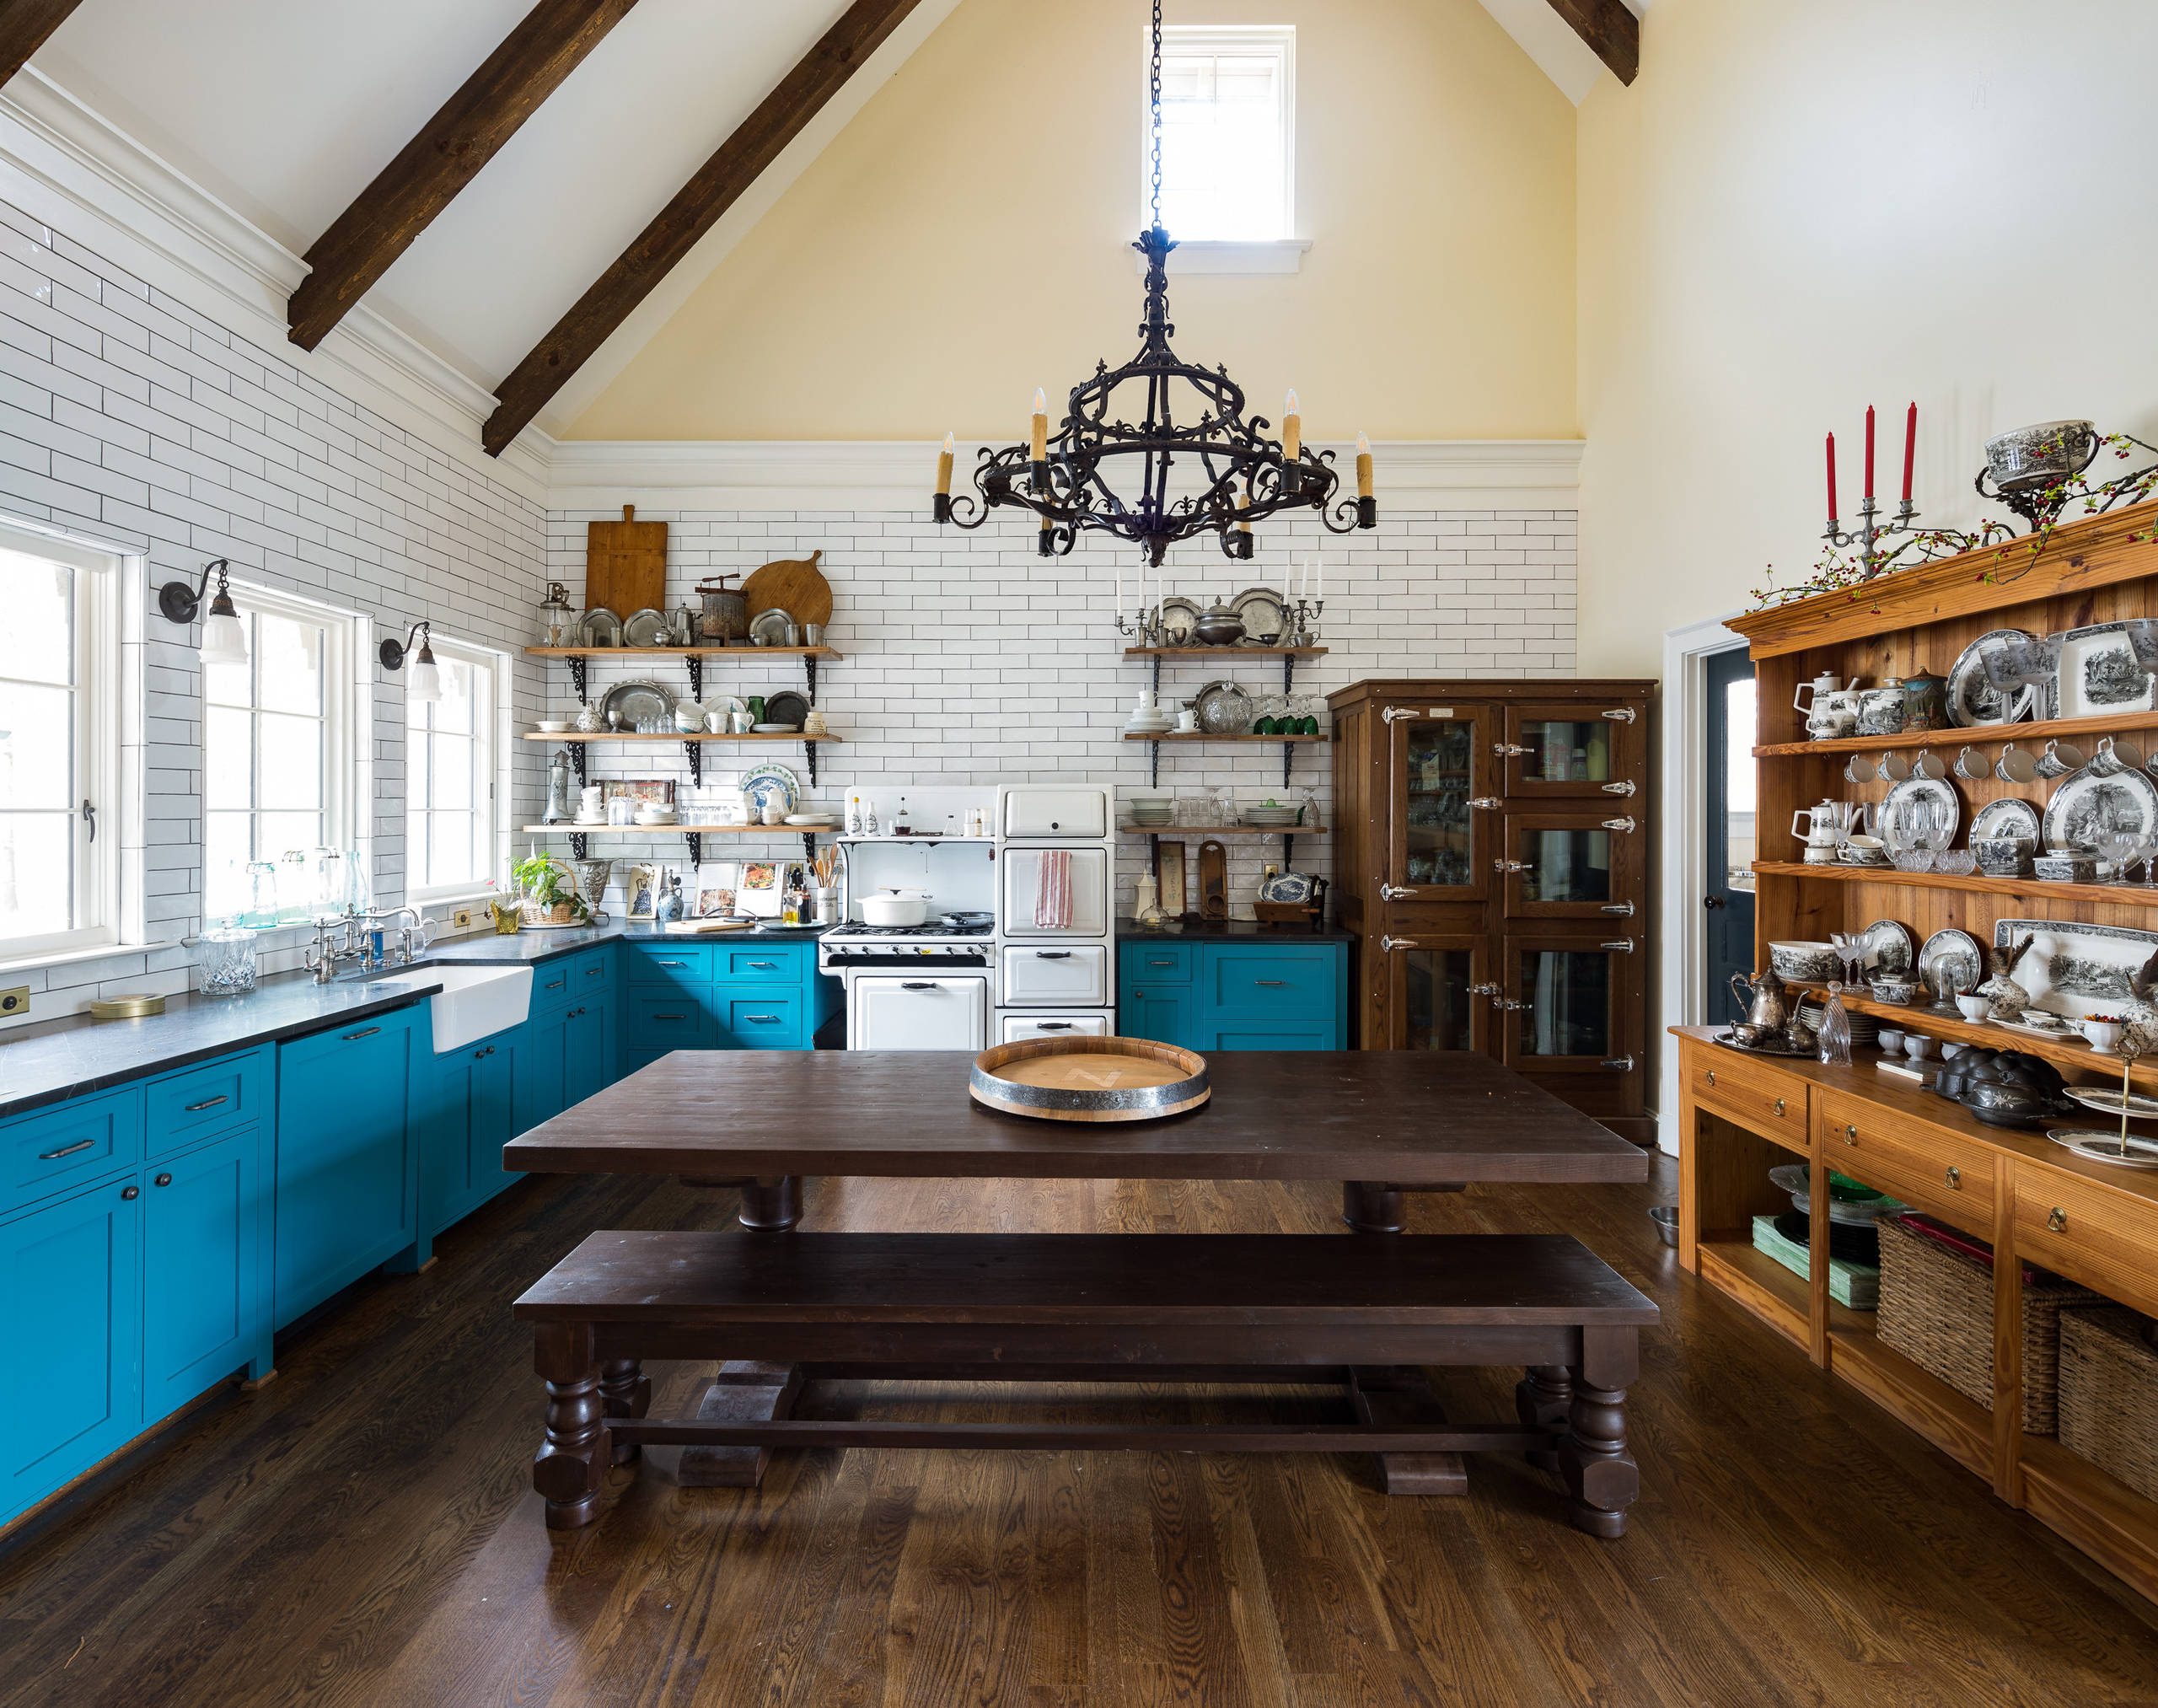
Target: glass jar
x: 227, y: 964
x: 557, y: 621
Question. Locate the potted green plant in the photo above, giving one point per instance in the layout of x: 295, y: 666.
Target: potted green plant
x: 547, y: 894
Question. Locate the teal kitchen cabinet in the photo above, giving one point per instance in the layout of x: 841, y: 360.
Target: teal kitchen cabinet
x: 71, y: 1273
x: 205, y: 1305
x: 1242, y: 993
x: 466, y: 1111
x: 347, y: 1175
x: 727, y: 996
x: 588, y: 1048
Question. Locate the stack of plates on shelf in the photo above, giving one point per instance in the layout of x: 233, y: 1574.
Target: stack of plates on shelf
x: 1154, y: 723
x: 1866, y: 1028
x: 1270, y: 818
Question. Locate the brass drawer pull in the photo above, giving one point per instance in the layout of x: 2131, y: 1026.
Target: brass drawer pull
x: 1850, y: 1132
x: 1956, y: 1177
x: 1779, y: 1105
x: 1712, y: 1076
x: 2058, y: 1221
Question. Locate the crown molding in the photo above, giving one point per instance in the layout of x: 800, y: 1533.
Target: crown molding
x: 68, y: 166
x: 896, y: 475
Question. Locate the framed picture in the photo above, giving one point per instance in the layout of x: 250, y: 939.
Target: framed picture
x: 759, y: 891
x: 716, y: 888
x: 641, y: 884
x: 660, y: 789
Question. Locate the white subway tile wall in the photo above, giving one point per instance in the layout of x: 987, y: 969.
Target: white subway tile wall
x: 129, y: 419
x: 971, y: 659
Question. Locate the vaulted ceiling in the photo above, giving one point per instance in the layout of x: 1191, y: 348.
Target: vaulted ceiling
x: 287, y: 111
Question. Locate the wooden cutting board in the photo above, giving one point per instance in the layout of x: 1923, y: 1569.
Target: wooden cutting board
x: 625, y: 565
x: 1213, y: 880
x: 795, y: 585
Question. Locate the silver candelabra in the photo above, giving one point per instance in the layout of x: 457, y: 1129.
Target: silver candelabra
x: 1868, y: 535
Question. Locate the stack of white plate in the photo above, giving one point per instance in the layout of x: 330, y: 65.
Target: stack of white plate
x: 1866, y: 1028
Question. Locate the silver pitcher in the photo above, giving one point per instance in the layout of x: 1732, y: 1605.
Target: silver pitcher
x: 1766, y: 1000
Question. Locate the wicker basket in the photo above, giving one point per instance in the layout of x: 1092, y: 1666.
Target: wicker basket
x: 2109, y: 1394
x: 1936, y: 1309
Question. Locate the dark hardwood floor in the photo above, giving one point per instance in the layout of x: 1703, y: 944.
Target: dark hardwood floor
x: 363, y: 1532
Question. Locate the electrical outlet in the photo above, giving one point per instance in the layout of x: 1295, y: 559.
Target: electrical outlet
x: 462, y: 919
x: 15, y: 1003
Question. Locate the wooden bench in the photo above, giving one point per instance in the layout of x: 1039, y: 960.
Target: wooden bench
x: 1223, y: 1308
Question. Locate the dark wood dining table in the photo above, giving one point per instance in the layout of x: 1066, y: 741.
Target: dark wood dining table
x: 1383, y: 1123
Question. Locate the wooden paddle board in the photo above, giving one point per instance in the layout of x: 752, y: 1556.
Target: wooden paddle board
x: 795, y: 585
x: 625, y: 565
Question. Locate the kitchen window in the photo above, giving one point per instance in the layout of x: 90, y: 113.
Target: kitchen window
x: 450, y: 768
x: 276, y: 751
x: 59, y: 746
x: 1228, y: 143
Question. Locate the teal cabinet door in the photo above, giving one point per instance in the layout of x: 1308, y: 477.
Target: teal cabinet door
x: 468, y: 1112
x: 71, y: 1275
x: 540, y: 1085
x: 587, y: 1044
x: 347, y: 1174
x: 1166, y: 1013
x: 202, y: 1304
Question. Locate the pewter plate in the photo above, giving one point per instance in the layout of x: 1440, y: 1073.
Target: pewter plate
x: 1916, y: 789
x: 2008, y: 816
x: 769, y: 627
x: 645, y: 628
x: 1264, y: 619
x: 2086, y: 806
x: 1973, y: 700
x: 1955, y: 953
x: 1889, y: 948
x: 1179, y: 621
x: 637, y: 699
x: 2072, y: 968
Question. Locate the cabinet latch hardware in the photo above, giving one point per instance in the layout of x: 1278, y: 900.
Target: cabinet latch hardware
x: 1618, y: 789
x: 1625, y: 824
x: 2058, y: 1221
x: 1395, y: 892
x: 1052, y: 1025
x: 1619, y: 945
x: 1484, y: 990
x: 1712, y: 1079
x: 1511, y: 1007
x: 1619, y: 1064
x: 1624, y: 910
x: 1508, y: 750
x: 1511, y: 866
x: 1956, y: 1177
x: 1393, y: 711
x: 1484, y: 804
x: 1780, y: 1106
x: 1850, y: 1132
x: 1621, y: 714
x: 916, y: 985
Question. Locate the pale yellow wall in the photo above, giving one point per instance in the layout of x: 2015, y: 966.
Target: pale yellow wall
x: 1802, y: 205
x: 962, y: 241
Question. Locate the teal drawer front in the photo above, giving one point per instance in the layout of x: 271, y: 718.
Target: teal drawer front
x: 1158, y: 964
x: 207, y: 1099
x: 591, y: 974
x: 551, y: 982
x: 64, y: 1146
x: 1274, y: 983
x: 781, y: 964
x: 1282, y: 1035
x: 757, y: 1020
x: 674, y: 1021
x: 671, y: 969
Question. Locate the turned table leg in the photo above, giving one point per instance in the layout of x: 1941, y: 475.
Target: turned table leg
x: 746, y: 1392
x: 1544, y: 1400
x: 572, y: 1458
x: 1600, y: 1474
x: 625, y: 1391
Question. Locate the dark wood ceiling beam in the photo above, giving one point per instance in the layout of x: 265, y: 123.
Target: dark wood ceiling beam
x: 1610, y: 28
x: 757, y: 142
x: 443, y: 157
x: 24, y: 26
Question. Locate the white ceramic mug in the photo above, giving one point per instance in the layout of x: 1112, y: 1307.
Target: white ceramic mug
x: 1857, y: 769
x: 2016, y: 764
x: 2115, y: 755
x: 1926, y: 766
x: 2059, y: 759
x: 1971, y: 765
x: 1892, y: 767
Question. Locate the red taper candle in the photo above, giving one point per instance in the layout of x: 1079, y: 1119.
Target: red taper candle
x: 1868, y: 450
x: 1910, y: 445
x: 1832, y: 478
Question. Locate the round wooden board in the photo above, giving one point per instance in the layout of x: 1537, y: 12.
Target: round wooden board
x: 1089, y: 1079
x: 794, y: 584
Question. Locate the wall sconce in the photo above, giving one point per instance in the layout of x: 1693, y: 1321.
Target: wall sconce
x: 224, y: 641
x: 427, y: 683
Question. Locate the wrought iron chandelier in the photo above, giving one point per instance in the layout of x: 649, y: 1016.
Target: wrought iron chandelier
x: 1071, y: 479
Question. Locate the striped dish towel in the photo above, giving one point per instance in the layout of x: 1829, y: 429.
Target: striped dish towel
x: 1053, y: 891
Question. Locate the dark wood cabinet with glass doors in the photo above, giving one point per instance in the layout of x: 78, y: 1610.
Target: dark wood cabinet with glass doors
x: 1490, y: 851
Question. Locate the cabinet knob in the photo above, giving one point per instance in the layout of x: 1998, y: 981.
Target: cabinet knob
x: 2058, y: 1221
x: 1712, y: 1076
x: 162, y: 1180
x: 1850, y: 1132
x: 1956, y: 1177
x: 1779, y: 1105
x: 132, y: 1193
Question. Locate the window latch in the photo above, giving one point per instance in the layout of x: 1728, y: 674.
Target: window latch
x: 90, y: 818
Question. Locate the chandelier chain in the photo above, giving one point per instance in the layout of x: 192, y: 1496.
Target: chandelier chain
x: 1154, y: 102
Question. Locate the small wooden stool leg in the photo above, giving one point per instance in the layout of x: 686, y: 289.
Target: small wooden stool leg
x: 572, y: 1459
x: 1372, y: 1206
x: 625, y: 1391
x: 1598, y: 1470
x: 1543, y: 1399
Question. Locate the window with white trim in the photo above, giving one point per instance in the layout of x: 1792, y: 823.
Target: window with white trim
x: 59, y: 747
x: 276, y: 748
x: 450, y: 764
x: 1228, y: 134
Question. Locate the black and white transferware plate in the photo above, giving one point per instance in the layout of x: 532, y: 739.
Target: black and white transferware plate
x: 2009, y: 816
x: 1889, y: 948
x: 2086, y: 806
x: 1951, y: 962
x: 1972, y: 698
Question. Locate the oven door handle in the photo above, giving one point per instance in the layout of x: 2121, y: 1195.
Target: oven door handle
x: 919, y: 985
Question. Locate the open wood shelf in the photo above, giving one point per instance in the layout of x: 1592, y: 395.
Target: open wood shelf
x: 1959, y: 1427
x: 682, y: 652
x: 1982, y: 734
x: 1222, y: 652
x: 2063, y: 1052
x: 2094, y: 1509
x: 1757, y: 1281
x: 678, y: 830
x: 1201, y: 735
x: 2134, y: 895
x: 1129, y: 829
x: 634, y: 735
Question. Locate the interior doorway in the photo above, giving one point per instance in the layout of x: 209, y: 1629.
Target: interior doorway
x: 1727, y: 763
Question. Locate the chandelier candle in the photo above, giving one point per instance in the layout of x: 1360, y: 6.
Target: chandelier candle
x: 1040, y: 444
x: 1292, y: 441
x: 1367, y: 507
x: 942, y: 508
x: 1243, y: 525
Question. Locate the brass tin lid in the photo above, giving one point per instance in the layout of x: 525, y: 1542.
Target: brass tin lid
x: 127, y: 1008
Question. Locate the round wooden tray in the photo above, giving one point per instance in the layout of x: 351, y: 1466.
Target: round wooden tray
x: 1089, y: 1079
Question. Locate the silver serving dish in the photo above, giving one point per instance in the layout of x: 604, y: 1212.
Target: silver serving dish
x: 1223, y: 709
x: 2040, y: 454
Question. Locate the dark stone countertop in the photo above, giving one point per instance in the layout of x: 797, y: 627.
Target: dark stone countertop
x: 1228, y: 931
x: 74, y: 1054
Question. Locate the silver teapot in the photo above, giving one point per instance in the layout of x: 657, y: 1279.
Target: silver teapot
x: 1766, y: 1000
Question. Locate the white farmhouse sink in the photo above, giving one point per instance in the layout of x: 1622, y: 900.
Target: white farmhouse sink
x: 474, y: 1002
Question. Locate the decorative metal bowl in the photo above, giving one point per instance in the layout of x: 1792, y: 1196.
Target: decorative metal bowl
x: 1076, y: 1079
x: 2041, y: 455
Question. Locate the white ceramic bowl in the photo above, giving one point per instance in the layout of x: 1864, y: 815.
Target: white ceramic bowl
x: 2104, y: 1036
x: 553, y: 726
x: 1804, y: 963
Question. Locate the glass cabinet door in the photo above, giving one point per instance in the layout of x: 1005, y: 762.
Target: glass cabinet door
x: 1568, y: 1003
x: 1438, y: 992
x: 1571, y: 864
x: 1571, y: 749
x: 1439, y: 842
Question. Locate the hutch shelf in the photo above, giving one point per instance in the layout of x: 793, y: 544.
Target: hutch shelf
x: 1740, y: 1114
